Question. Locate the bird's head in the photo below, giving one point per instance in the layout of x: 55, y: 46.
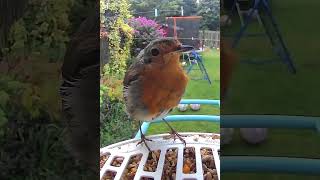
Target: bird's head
x: 162, y: 51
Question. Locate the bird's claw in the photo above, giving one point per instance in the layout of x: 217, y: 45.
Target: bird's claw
x: 174, y: 135
x: 143, y: 140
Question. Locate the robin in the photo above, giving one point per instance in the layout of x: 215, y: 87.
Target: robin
x: 155, y: 82
x: 228, y: 62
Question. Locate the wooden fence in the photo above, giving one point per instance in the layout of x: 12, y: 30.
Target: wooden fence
x: 210, y: 38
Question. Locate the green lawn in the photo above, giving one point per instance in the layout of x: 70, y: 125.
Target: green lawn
x: 198, y: 89
x: 271, y: 89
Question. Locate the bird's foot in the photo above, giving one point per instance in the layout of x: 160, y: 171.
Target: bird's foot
x: 143, y: 140
x: 174, y: 134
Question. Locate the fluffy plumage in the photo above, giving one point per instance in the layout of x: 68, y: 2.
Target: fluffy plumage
x: 80, y: 92
x: 155, y: 82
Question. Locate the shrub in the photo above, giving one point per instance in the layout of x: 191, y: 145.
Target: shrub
x: 115, y: 123
x: 116, y: 37
x: 119, y: 35
x: 145, y: 30
x: 43, y: 30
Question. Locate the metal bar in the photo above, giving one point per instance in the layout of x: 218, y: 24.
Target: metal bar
x: 270, y: 121
x: 286, y: 56
x: 246, y: 24
x: 262, y: 35
x: 144, y: 128
x: 274, y: 38
x: 270, y: 165
x: 185, y: 17
x: 200, y: 101
x: 145, y: 125
x: 172, y: 118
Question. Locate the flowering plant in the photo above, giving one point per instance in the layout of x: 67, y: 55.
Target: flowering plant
x: 145, y: 30
x: 103, y: 32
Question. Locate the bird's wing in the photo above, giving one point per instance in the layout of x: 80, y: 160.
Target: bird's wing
x: 133, y: 73
x: 84, y: 47
x: 80, y: 91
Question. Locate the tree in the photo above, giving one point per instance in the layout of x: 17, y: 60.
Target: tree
x: 189, y: 7
x: 114, y: 16
x: 210, y: 11
x: 165, y: 8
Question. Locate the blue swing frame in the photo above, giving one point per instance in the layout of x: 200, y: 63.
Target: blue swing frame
x: 202, y: 68
x: 272, y: 32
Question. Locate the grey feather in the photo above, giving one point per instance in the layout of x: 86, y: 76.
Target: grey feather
x: 80, y: 92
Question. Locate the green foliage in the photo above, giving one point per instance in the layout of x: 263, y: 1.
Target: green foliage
x: 18, y: 100
x: 115, y: 123
x: 116, y: 126
x: 114, y: 17
x: 31, y: 139
x: 146, y: 8
x: 112, y: 87
x: 79, y: 12
x: 42, y: 30
x: 210, y: 11
x: 35, y: 150
x: 190, y: 7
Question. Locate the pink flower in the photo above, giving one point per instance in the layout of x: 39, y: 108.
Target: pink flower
x: 141, y: 24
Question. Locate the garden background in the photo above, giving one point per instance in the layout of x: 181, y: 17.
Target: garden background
x: 127, y: 27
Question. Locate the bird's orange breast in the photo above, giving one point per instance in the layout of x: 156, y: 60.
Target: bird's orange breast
x: 163, y: 86
x: 228, y: 61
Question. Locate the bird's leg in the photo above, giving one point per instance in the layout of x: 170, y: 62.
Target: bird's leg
x: 174, y: 133
x: 143, y: 138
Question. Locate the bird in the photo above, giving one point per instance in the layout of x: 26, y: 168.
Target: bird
x: 228, y: 62
x: 79, y: 92
x: 155, y: 83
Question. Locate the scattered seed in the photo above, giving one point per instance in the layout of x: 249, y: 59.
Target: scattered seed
x: 117, y: 161
x: 189, y: 161
x: 103, y: 159
x: 109, y: 175
x: 152, y: 161
x: 132, y: 167
x: 208, y: 164
x: 186, y: 169
x: 170, y: 163
x: 215, y: 136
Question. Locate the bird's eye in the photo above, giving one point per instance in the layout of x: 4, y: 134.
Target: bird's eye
x: 155, y: 52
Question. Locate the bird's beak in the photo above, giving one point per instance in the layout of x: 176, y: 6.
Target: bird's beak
x: 184, y: 48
